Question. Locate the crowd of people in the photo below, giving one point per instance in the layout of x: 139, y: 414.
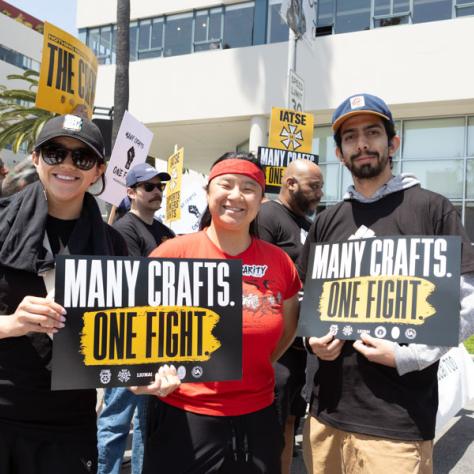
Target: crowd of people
x: 372, y: 402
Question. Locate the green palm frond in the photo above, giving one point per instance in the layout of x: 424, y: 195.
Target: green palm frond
x: 20, y: 120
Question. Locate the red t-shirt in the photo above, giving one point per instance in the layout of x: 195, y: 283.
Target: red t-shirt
x: 269, y: 278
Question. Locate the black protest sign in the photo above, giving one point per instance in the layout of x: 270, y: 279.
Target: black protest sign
x: 401, y: 288
x: 274, y: 162
x: 128, y: 316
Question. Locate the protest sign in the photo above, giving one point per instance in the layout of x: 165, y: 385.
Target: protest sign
x: 405, y: 289
x: 173, y: 189
x: 128, y: 316
x: 68, y: 73
x: 274, y: 163
x: 131, y: 148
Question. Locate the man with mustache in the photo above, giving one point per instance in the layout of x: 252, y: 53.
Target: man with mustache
x: 374, y: 401
x: 285, y: 222
x: 142, y: 233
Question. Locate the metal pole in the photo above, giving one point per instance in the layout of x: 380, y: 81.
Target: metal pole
x: 292, y: 39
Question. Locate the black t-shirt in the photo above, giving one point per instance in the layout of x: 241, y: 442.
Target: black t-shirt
x: 25, y: 362
x: 142, y: 238
x: 280, y: 226
x: 352, y: 393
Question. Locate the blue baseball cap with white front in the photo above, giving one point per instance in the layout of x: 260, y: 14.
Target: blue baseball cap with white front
x: 360, y: 104
x: 144, y: 172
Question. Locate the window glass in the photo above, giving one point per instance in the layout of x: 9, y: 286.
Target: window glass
x: 466, y: 11
x: 157, y: 34
x: 437, y: 138
x: 133, y: 41
x: 444, y: 176
x: 431, y: 10
x: 106, y: 44
x: 144, y: 35
x: 325, y: 13
x: 323, y: 144
x: 277, y: 28
x: 382, y: 7
x: 331, y: 181
x: 352, y: 15
x: 470, y: 136
x: 401, y: 6
x: 215, y: 24
x: 469, y: 220
x: 93, y: 40
x: 83, y: 35
x: 178, y: 34
x: 201, y: 26
x: 470, y: 179
x: 238, y: 25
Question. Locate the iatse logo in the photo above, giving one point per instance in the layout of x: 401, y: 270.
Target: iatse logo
x: 197, y: 372
x: 105, y: 376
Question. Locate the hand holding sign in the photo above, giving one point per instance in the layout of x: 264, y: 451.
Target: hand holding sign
x: 326, y: 347
x: 34, y: 314
x: 166, y: 381
x: 376, y: 350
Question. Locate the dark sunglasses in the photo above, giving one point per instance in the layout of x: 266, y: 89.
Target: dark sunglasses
x: 149, y: 187
x: 83, y: 158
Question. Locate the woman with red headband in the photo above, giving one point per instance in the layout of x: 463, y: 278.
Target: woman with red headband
x: 231, y: 427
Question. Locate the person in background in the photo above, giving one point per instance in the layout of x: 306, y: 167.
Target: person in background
x: 232, y: 426
x: 142, y: 234
x: 285, y: 222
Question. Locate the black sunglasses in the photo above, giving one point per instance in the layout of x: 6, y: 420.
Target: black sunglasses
x: 83, y: 158
x: 149, y: 187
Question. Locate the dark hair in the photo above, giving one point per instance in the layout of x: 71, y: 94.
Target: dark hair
x: 389, y: 130
x: 206, y: 216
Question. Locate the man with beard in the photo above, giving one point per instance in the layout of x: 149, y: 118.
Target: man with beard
x: 374, y: 401
x: 142, y: 233
x: 284, y: 222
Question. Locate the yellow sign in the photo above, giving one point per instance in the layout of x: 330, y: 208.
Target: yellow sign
x: 68, y: 74
x: 173, y: 189
x: 146, y: 334
x: 291, y: 130
x: 379, y: 299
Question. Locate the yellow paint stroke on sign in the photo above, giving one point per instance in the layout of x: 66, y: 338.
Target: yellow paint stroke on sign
x: 389, y: 299
x: 274, y: 174
x: 146, y: 334
x: 68, y: 74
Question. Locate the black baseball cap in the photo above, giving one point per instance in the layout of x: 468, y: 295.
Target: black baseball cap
x: 72, y: 126
x: 144, y: 172
x: 360, y: 104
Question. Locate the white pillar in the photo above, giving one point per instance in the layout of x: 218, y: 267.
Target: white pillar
x: 258, y: 133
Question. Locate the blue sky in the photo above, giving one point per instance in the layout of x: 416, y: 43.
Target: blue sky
x: 61, y: 13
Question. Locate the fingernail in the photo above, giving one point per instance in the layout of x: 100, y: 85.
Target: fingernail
x: 63, y: 311
x: 61, y: 325
x: 62, y: 319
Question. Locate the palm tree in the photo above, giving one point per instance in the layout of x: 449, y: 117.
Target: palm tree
x: 20, y: 120
x: 121, y: 92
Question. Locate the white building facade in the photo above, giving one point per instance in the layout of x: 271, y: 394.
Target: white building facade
x: 21, y: 43
x: 204, y: 74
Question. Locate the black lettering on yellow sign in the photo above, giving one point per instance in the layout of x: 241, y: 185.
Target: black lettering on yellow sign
x: 400, y: 299
x: 274, y: 175
x: 86, y: 80
x: 60, y: 69
x: 292, y: 117
x: 147, y: 334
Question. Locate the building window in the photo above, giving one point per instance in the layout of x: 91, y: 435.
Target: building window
x: 464, y: 7
x: 178, y: 34
x: 352, y: 15
x: 208, y: 29
x: 432, y: 10
x: 277, y: 29
x: 238, y: 25
x: 102, y: 42
x: 17, y: 59
x: 391, y: 12
x: 150, y: 38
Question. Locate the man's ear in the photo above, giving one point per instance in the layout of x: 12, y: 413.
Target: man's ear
x: 35, y: 158
x: 131, y: 193
x: 394, y: 145
x: 339, y: 155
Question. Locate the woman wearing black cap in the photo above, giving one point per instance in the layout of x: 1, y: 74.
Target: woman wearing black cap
x: 43, y: 431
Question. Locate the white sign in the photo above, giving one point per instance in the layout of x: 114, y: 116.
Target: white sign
x: 130, y: 149
x: 295, y: 92
x: 300, y: 16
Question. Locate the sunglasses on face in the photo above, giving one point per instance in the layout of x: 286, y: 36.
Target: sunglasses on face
x: 83, y: 158
x: 149, y: 187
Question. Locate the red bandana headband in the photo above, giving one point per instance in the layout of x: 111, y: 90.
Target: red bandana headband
x: 238, y: 166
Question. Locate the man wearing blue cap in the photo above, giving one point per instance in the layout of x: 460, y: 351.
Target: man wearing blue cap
x: 142, y: 233
x: 374, y: 401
